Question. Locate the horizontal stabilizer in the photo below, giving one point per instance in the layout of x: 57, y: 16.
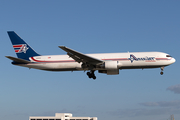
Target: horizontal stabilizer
x: 18, y: 60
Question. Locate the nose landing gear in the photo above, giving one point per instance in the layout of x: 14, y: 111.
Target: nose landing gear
x: 162, y: 68
x: 91, y: 74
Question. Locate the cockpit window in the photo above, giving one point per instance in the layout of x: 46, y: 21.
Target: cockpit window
x: 168, y: 56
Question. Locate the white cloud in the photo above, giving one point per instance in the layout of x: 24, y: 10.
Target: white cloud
x: 174, y: 88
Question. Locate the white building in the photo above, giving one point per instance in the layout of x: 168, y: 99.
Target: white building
x: 61, y: 116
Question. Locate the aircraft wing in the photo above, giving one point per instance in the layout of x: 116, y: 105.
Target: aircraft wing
x: 80, y: 57
x: 18, y: 60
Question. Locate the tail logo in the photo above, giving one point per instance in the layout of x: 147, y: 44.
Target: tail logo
x: 21, y: 48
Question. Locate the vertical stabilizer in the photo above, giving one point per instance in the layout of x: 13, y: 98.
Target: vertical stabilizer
x: 21, y: 48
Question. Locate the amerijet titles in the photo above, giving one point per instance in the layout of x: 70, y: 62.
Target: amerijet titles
x: 132, y: 58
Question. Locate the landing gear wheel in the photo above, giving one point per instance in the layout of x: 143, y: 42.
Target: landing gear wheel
x: 162, y: 68
x: 91, y: 74
x: 94, y: 77
x: 161, y: 73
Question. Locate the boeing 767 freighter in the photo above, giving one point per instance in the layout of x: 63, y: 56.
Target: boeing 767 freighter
x: 108, y: 63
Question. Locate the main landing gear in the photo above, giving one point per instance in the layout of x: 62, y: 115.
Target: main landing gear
x: 91, y: 74
x: 162, y: 68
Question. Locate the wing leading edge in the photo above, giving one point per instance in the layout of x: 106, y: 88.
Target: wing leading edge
x: 80, y: 57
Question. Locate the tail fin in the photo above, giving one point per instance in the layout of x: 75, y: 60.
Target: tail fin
x: 22, y: 49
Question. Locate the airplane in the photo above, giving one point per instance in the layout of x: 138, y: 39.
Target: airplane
x: 107, y: 63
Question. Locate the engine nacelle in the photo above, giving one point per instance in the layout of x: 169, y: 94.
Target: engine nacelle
x: 111, y: 65
x: 111, y: 68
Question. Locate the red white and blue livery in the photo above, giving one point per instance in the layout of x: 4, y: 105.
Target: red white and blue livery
x: 108, y: 63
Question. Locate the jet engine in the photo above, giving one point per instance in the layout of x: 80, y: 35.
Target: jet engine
x: 111, y: 68
x: 111, y: 65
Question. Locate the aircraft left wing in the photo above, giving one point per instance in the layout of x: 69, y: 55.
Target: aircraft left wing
x: 80, y: 57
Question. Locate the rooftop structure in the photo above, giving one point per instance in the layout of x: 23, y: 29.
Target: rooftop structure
x: 61, y: 116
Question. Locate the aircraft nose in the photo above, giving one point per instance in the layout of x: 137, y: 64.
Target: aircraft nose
x: 173, y: 60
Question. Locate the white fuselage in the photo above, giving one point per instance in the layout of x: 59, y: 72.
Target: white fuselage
x: 128, y: 60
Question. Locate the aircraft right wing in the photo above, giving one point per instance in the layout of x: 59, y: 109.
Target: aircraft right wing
x: 80, y: 57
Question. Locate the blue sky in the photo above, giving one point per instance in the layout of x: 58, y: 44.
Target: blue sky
x: 91, y: 27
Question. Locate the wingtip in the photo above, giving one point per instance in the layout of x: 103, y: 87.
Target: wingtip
x: 61, y: 46
x: 7, y: 56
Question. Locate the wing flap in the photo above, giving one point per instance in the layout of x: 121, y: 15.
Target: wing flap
x: 18, y: 60
x: 80, y: 57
